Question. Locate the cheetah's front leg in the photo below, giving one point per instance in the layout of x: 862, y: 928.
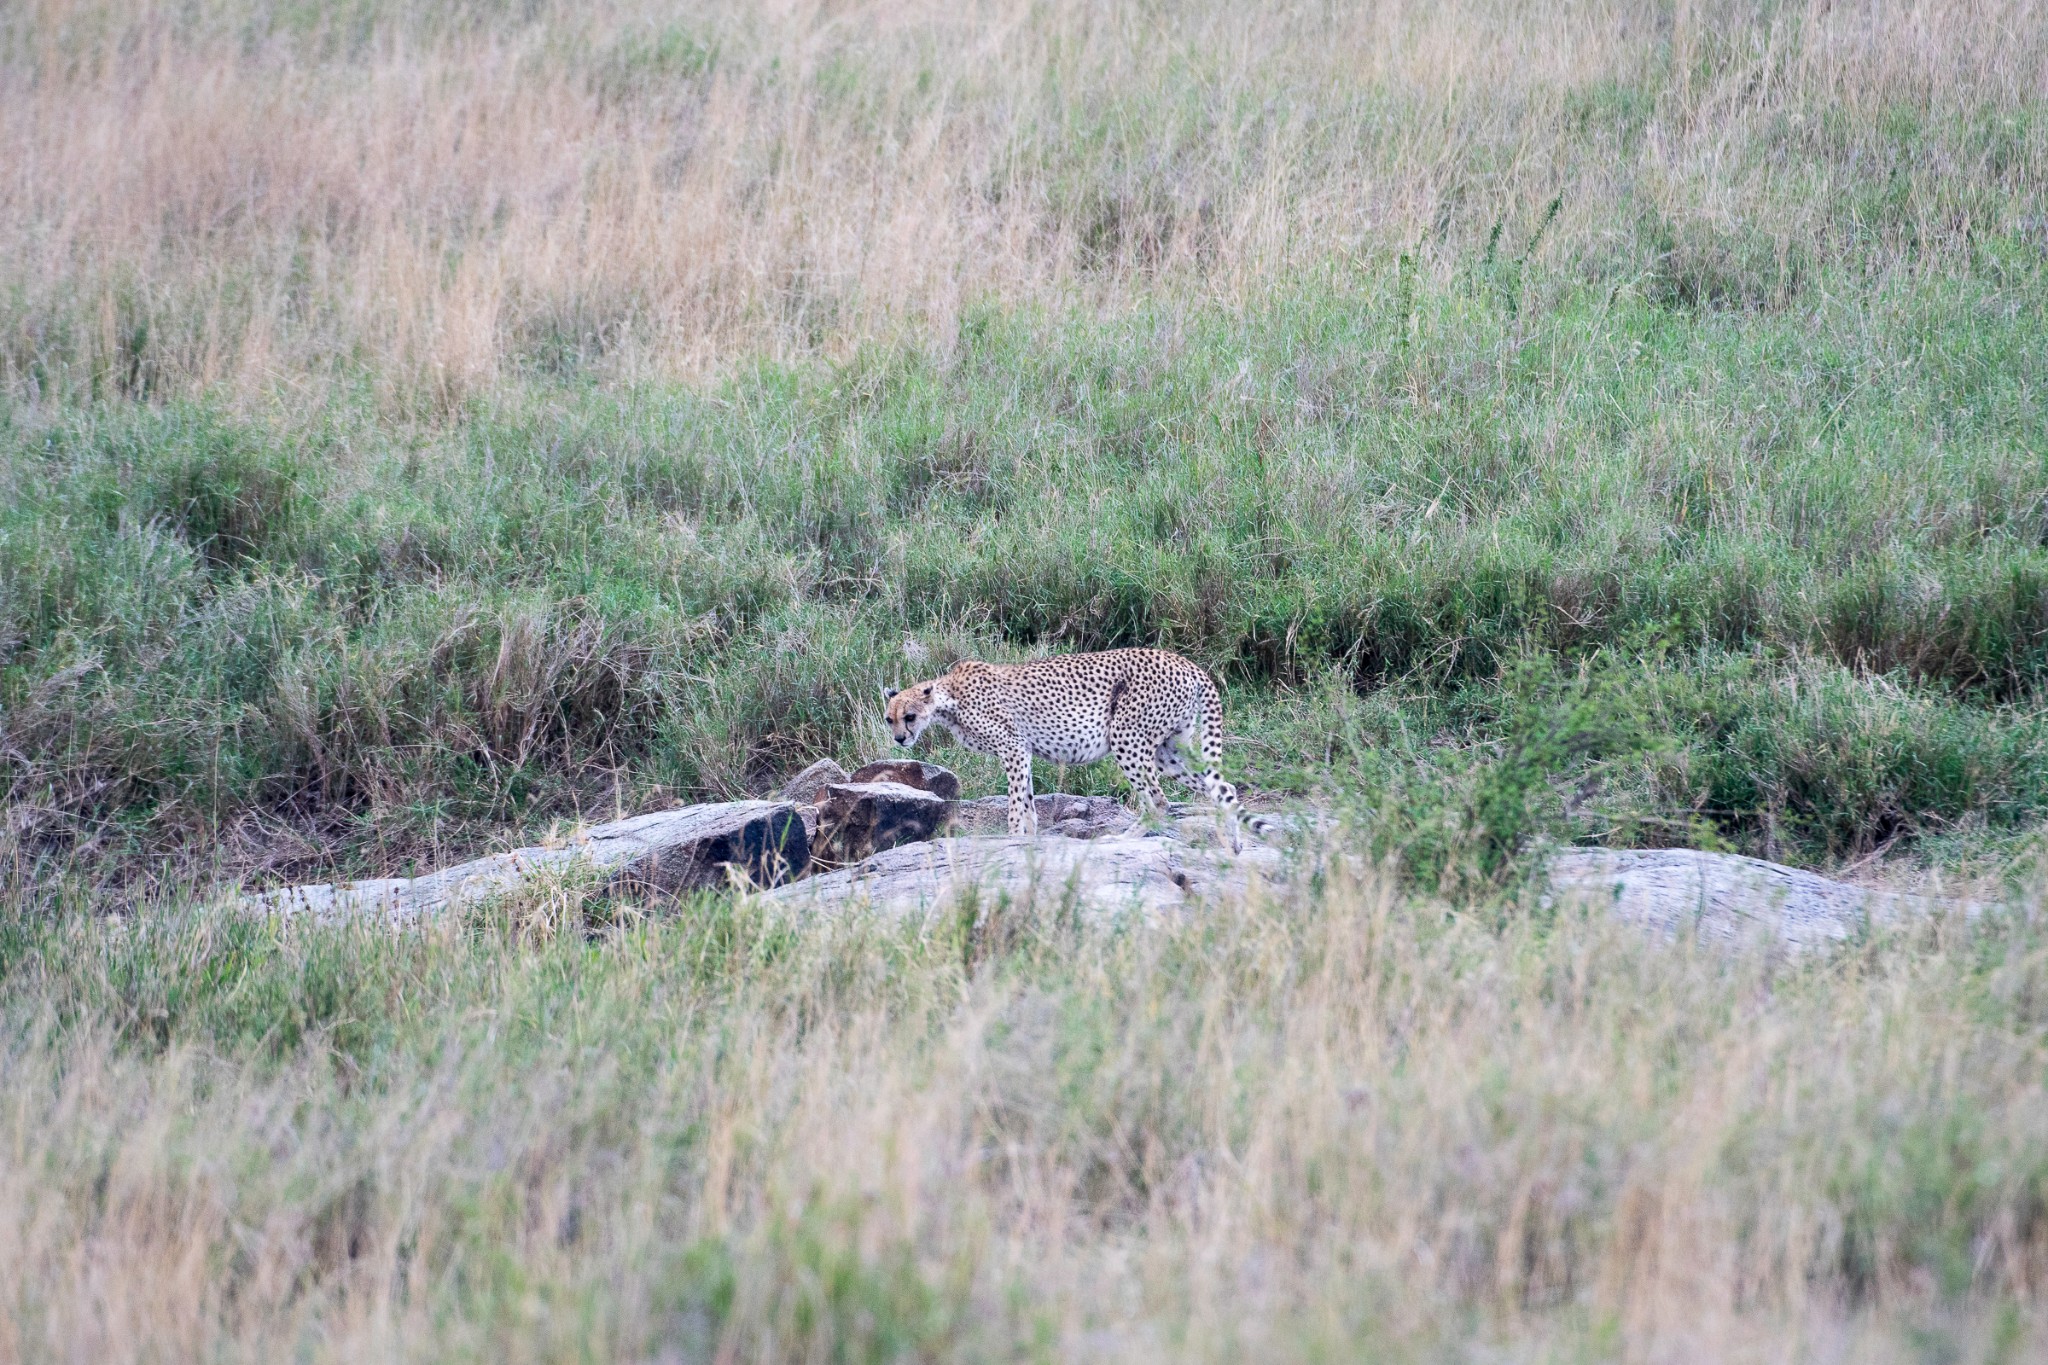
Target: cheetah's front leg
x: 1023, y: 809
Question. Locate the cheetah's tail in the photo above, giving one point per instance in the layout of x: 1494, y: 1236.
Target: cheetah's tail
x: 1209, y: 740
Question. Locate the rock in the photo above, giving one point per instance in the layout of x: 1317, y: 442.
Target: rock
x: 1075, y: 817
x: 699, y: 846
x: 1092, y: 817
x: 377, y: 898
x: 663, y: 852
x: 926, y: 777
x: 1102, y: 877
x: 1726, y: 898
x: 856, y: 819
x: 807, y: 786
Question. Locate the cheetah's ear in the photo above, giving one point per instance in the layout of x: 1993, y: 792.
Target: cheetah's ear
x: 887, y: 692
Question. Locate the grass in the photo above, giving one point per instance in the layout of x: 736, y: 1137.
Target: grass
x: 1287, y: 1129
x: 425, y: 202
x: 423, y: 426
x: 1801, y: 552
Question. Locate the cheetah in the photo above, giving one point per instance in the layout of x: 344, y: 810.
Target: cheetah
x: 1137, y: 704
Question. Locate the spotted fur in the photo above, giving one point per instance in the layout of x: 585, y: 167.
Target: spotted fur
x: 1135, y: 704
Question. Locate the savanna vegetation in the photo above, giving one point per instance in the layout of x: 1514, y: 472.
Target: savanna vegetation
x: 424, y: 426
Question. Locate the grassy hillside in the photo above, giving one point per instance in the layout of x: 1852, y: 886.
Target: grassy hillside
x: 1777, y: 578
x: 423, y: 426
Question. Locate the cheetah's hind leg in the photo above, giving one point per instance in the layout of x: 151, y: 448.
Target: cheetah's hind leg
x: 1174, y: 764
x: 1140, y: 766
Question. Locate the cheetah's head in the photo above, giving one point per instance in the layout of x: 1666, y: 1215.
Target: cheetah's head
x: 910, y: 711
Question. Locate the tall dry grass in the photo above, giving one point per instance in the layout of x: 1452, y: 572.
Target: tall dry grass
x: 421, y: 198
x: 1349, y: 1126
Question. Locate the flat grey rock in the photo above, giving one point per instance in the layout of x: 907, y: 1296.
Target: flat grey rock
x: 1103, y: 877
x: 1092, y: 853
x: 1075, y: 817
x: 666, y: 851
x: 1726, y: 898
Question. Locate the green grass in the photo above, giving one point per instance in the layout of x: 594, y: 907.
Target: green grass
x: 1802, y: 551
